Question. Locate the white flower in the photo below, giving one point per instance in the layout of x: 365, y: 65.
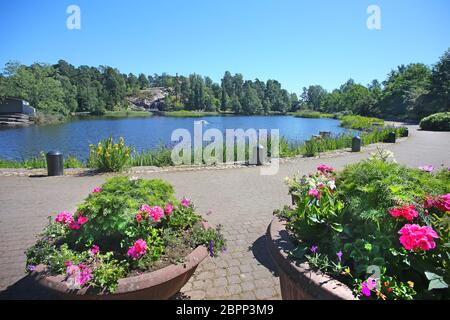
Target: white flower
x: 331, y: 184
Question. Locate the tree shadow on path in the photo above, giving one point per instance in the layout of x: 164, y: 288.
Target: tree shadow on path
x: 262, y: 255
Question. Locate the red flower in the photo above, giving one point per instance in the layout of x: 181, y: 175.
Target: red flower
x: 407, y: 212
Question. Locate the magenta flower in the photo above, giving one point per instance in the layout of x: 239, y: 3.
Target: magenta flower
x: 31, y: 268
x: 365, y: 289
x: 64, y: 217
x: 97, y: 190
x: 427, y: 168
x: 138, y: 249
x: 339, y: 255
x: 94, y: 250
x: 156, y: 213
x: 314, y: 249
x: 314, y: 193
x: 414, y: 237
x: 443, y: 202
x: 168, y: 209
x: 407, y: 212
x: 323, y: 168
x: 185, y: 202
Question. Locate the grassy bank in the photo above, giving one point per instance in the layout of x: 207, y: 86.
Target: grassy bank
x: 310, y: 114
x: 194, y: 114
x: 126, y: 114
x: 360, y: 122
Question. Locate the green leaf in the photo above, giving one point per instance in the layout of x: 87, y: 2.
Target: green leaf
x: 337, y: 227
x: 436, y: 281
x: 299, y: 252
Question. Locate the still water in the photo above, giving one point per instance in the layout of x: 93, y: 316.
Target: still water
x: 74, y: 137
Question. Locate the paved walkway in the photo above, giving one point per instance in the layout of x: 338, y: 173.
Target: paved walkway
x: 240, y: 199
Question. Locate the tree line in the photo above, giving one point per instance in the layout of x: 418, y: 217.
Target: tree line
x: 412, y: 91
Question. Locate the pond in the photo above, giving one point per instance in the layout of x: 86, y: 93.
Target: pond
x: 73, y: 138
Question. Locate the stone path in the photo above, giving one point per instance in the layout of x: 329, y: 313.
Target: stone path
x: 240, y: 199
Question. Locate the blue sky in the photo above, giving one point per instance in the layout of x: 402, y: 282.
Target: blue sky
x: 297, y: 42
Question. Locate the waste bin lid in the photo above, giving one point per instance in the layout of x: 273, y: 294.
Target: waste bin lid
x: 54, y: 153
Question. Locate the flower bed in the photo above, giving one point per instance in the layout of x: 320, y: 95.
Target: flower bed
x: 125, y: 229
x: 379, y: 227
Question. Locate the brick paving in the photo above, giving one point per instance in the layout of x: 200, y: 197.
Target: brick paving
x: 240, y: 199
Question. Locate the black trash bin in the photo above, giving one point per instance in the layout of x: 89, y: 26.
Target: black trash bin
x: 356, y: 144
x: 55, y: 163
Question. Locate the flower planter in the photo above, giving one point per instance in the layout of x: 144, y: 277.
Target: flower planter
x: 297, y: 280
x: 157, y: 285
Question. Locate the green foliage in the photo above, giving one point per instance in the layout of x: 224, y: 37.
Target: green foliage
x: 108, y: 272
x: 212, y: 238
x: 109, y: 156
x: 436, y: 122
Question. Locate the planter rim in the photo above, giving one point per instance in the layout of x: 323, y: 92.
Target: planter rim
x: 130, y: 284
x: 318, y: 285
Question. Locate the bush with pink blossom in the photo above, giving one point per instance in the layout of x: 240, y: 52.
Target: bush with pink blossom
x: 124, y: 227
x: 378, y: 217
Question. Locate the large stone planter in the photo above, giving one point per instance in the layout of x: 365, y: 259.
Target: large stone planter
x: 297, y: 280
x: 161, y: 284
x: 157, y: 285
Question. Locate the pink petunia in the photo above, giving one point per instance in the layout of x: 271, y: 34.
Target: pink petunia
x: 427, y: 168
x: 185, y: 202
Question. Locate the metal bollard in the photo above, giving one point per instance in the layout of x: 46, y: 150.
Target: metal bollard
x: 391, y: 137
x: 356, y: 144
x: 55, y: 163
x: 259, y: 155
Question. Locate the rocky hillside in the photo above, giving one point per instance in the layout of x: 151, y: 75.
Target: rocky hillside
x: 149, y: 99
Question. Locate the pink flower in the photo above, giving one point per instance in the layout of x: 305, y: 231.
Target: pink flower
x: 156, y: 213
x: 145, y: 210
x: 314, y: 193
x: 428, y: 203
x: 443, y: 202
x: 407, y: 212
x: 365, y: 289
x: 78, y: 275
x: 323, y: 168
x: 138, y: 218
x: 413, y: 237
x: 82, y: 220
x: 185, y: 202
x: 74, y: 225
x: 168, y: 209
x: 94, y: 250
x: 97, y: 190
x: 64, y: 217
x: 427, y: 168
x: 138, y: 249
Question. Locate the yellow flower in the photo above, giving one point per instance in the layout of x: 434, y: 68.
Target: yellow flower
x: 410, y: 284
x: 347, y: 270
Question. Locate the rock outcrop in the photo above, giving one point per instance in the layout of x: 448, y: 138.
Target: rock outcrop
x: 151, y: 99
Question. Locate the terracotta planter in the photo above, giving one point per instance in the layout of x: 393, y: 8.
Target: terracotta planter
x: 297, y: 280
x: 161, y: 284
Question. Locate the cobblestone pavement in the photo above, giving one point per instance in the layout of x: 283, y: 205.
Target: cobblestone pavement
x: 240, y: 199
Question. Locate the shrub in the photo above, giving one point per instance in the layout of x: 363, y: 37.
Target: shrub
x: 385, y: 217
x: 123, y: 227
x: 109, y: 156
x: 436, y: 122
x: 312, y: 114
